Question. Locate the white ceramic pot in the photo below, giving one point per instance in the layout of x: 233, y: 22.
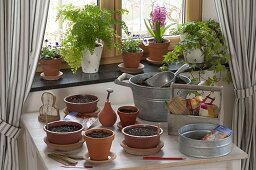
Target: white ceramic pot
x: 91, y: 62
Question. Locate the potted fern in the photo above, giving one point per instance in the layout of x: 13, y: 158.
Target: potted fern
x: 82, y: 43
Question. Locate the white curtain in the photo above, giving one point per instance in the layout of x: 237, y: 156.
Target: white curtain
x: 238, y: 23
x: 22, y: 26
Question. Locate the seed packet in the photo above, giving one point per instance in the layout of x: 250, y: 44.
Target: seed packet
x: 86, y: 121
x: 220, y: 132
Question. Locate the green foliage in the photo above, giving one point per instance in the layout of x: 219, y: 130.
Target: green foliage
x: 206, y: 36
x: 130, y: 44
x: 48, y: 53
x: 89, y: 25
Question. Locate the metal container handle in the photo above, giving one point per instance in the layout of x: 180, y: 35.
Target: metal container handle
x: 121, y: 78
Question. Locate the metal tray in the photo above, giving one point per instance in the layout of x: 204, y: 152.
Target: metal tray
x: 189, y: 143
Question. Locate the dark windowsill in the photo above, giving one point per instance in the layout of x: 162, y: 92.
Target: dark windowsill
x: 107, y: 73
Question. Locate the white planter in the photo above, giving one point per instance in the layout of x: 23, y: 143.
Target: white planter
x: 91, y: 62
x: 194, y: 56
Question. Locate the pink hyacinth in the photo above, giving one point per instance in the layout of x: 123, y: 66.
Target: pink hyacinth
x: 158, y: 15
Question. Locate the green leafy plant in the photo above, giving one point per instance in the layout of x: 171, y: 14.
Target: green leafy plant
x: 130, y: 44
x: 206, y: 36
x: 49, y: 52
x: 88, y: 26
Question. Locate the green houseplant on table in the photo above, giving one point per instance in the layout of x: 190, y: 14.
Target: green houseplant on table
x: 131, y: 52
x: 156, y: 26
x: 89, y: 26
x: 203, y: 46
x: 50, y: 61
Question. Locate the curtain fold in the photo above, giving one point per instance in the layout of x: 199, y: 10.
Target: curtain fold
x: 22, y: 26
x: 238, y: 23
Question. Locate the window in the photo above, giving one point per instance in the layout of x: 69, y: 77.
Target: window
x: 140, y: 10
x: 55, y: 28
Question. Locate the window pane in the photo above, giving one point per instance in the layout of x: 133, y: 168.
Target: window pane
x: 55, y: 29
x: 140, y: 10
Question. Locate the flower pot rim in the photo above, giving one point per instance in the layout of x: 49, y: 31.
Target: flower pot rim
x: 129, y: 106
x: 98, y: 129
x: 138, y: 52
x: 153, y: 41
x: 65, y: 99
x: 64, y: 133
x: 140, y: 125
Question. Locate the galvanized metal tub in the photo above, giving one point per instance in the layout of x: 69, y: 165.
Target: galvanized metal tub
x: 189, y: 143
x: 151, y: 101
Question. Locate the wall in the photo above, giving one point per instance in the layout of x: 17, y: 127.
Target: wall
x: 209, y: 10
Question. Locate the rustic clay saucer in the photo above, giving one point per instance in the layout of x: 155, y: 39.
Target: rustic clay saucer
x: 51, y: 77
x: 142, y: 152
x: 111, y: 157
x: 154, y: 62
x: 93, y: 114
x: 68, y: 147
x: 120, y: 127
x: 131, y: 70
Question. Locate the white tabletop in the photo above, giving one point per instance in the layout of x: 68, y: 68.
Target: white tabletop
x: 123, y: 160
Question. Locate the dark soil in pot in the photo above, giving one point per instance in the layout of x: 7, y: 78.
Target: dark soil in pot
x: 99, y: 134
x: 81, y: 99
x: 141, y: 131
x: 127, y: 110
x: 64, y: 128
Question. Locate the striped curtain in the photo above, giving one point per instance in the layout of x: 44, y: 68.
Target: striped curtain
x: 22, y: 26
x: 238, y: 23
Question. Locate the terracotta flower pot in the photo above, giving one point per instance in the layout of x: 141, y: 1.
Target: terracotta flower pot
x: 99, y: 147
x: 158, y: 50
x: 138, y: 141
x: 81, y: 103
x: 63, y: 138
x: 132, y: 60
x: 128, y: 115
x: 50, y: 67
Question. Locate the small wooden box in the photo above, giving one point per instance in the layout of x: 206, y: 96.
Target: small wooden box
x: 176, y: 121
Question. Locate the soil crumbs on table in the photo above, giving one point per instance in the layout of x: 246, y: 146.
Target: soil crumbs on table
x: 81, y: 99
x: 64, y: 128
x: 99, y: 134
x: 141, y: 131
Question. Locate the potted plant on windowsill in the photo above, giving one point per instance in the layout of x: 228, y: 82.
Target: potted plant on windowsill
x: 203, y: 45
x: 89, y: 27
x: 131, y: 52
x: 50, y: 61
x: 156, y: 26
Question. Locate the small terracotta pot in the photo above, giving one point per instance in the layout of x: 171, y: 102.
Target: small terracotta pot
x: 50, y: 67
x: 158, y: 50
x: 127, y: 115
x: 132, y: 60
x: 63, y: 138
x: 99, y: 148
x: 88, y: 107
x: 141, y: 142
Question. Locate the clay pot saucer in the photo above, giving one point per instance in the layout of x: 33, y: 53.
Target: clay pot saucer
x: 51, y: 77
x: 111, y: 157
x: 131, y: 70
x: 142, y: 152
x: 120, y: 127
x: 68, y: 147
x: 92, y: 114
x: 154, y: 62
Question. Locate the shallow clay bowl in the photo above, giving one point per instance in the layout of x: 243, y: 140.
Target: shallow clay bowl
x: 64, y: 138
x: 141, y: 142
x: 86, y: 107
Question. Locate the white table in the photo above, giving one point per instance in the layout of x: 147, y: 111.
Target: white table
x: 36, y: 153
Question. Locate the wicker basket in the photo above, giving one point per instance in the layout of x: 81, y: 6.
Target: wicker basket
x: 176, y: 121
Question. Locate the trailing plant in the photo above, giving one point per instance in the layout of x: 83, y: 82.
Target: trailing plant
x: 88, y: 26
x: 206, y: 36
x: 50, y: 52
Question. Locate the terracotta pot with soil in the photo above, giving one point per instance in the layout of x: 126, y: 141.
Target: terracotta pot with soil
x: 99, y: 142
x: 132, y: 60
x: 51, y: 67
x: 158, y: 50
x: 63, y: 132
x: 81, y: 103
x: 142, y: 136
x: 127, y: 115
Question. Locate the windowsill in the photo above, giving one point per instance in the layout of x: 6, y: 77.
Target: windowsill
x: 107, y: 73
